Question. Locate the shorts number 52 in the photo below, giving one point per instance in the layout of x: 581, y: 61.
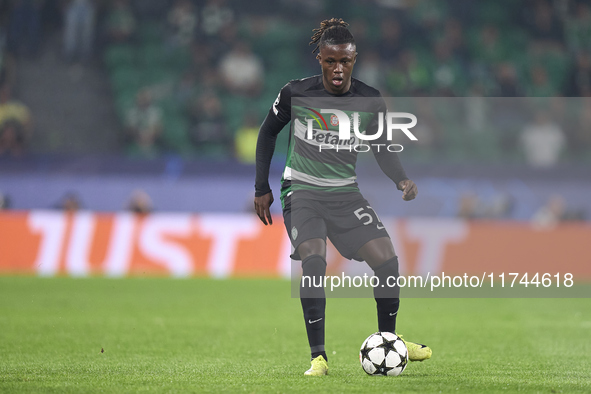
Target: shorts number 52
x: 367, y: 217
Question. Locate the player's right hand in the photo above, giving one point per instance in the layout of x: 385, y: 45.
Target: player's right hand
x: 262, y: 207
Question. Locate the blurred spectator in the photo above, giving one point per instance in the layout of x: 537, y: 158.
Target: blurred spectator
x: 581, y: 135
x: 4, y: 202
x: 16, y: 124
x: 546, y: 29
x: 210, y: 80
x: 391, y: 42
x: 370, y: 69
x: 245, y: 140
x: 8, y: 66
x: 359, y: 27
x: 150, y: 9
x: 427, y: 47
x: 79, y: 22
x: 209, y: 128
x: 409, y: 75
x: 509, y: 118
x: 12, y: 140
x: 447, y: 71
x: 579, y: 78
x: 464, y: 10
x: 500, y: 207
x: 225, y: 41
x: 578, y: 27
x: 469, y: 206
x: 473, y: 207
x: 303, y: 9
x: 554, y: 211
x: 140, y: 203
x: 551, y: 213
x: 453, y: 36
x: 120, y: 24
x: 488, y: 48
x: 477, y: 108
x: 428, y: 131
x: 215, y: 16
x: 70, y: 202
x: 507, y: 82
x: 242, y: 71
x: 540, y: 85
x: 201, y: 57
x: 543, y: 141
x: 182, y: 22
x: 144, y: 123
x: 429, y: 14
x: 186, y: 89
x: 24, y: 30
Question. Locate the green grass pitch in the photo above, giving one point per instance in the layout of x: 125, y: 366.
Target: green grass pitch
x: 195, y: 335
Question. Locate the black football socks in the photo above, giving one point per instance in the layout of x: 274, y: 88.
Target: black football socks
x: 313, y: 301
x: 387, y: 297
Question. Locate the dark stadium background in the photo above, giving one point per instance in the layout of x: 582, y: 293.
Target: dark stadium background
x: 211, y: 70
x: 113, y: 202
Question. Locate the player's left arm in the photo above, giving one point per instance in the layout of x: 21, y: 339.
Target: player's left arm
x: 409, y: 189
x: 390, y: 164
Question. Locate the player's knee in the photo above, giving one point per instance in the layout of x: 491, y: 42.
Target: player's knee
x: 387, y: 274
x: 313, y: 272
x: 377, y: 251
x: 314, y: 265
x: 311, y: 247
x: 387, y: 268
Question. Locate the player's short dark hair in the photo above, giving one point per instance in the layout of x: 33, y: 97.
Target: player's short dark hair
x: 332, y: 32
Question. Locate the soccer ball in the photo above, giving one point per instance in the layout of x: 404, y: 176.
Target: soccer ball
x: 383, y: 353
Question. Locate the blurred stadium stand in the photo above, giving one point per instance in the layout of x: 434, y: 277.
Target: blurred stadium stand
x: 174, y: 49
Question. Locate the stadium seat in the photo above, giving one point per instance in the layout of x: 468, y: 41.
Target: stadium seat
x: 178, y: 59
x: 234, y: 110
x: 125, y: 78
x: 150, y: 32
x: 175, y: 134
x: 119, y: 55
x: 152, y: 54
x: 123, y: 101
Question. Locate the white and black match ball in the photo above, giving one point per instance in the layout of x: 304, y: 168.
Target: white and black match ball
x: 383, y: 353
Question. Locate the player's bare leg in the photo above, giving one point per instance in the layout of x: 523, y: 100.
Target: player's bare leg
x: 313, y: 298
x: 380, y: 256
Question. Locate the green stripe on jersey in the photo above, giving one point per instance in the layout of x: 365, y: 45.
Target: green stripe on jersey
x: 321, y: 170
x: 296, y: 186
x: 327, y: 171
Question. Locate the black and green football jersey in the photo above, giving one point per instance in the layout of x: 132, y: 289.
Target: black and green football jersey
x: 323, y: 166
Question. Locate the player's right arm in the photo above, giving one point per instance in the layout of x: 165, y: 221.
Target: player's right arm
x: 279, y: 115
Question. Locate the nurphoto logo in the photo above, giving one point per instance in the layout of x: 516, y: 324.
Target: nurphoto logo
x: 351, y: 139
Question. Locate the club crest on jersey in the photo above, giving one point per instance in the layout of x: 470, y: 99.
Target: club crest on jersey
x: 334, y: 120
x: 294, y: 233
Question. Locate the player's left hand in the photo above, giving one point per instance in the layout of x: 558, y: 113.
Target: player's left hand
x: 409, y: 189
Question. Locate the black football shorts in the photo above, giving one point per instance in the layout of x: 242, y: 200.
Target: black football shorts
x: 349, y: 224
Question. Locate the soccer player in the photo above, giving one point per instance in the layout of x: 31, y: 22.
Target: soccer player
x: 319, y: 193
